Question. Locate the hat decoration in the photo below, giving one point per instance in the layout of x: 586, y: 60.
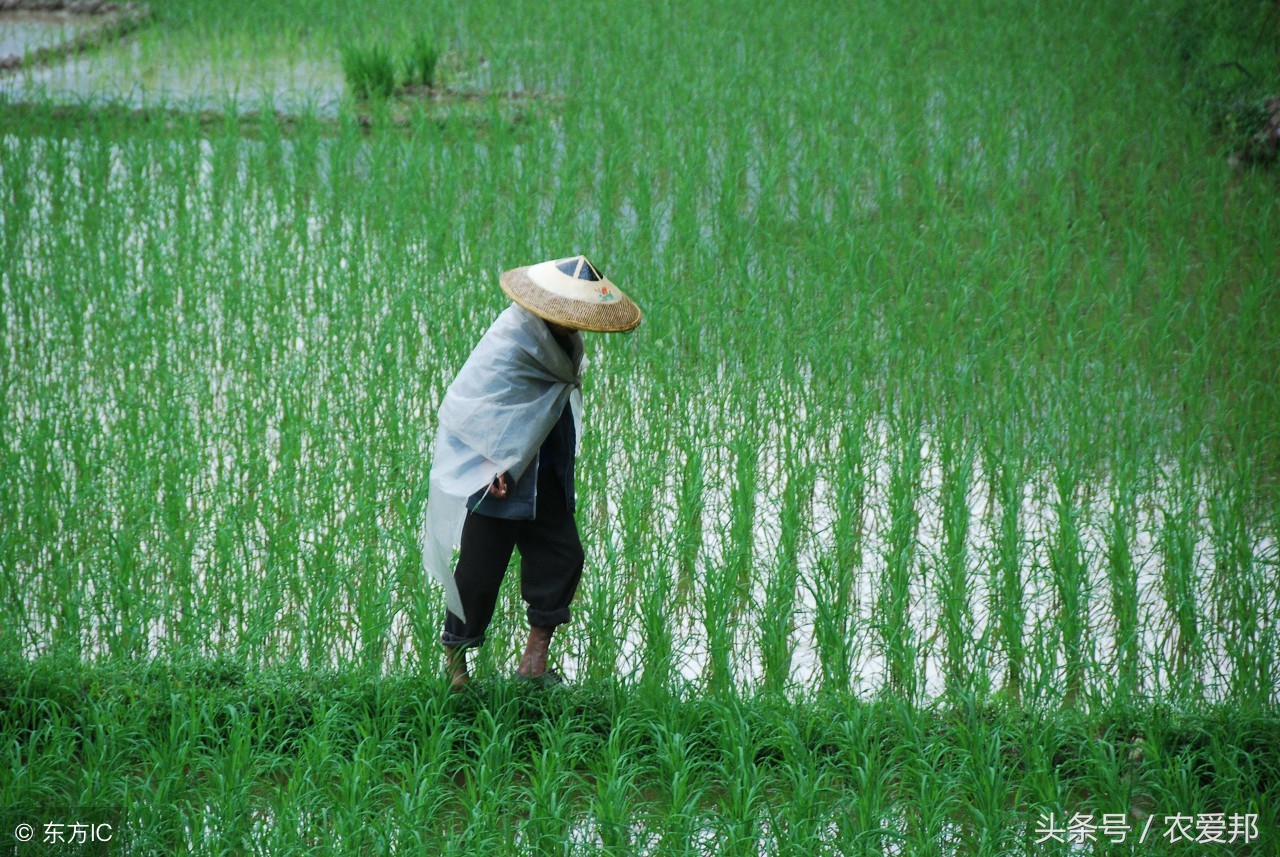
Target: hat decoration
x: 572, y: 292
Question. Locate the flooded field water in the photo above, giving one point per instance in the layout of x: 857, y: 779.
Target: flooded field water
x: 122, y: 72
x: 710, y: 560
x: 23, y: 32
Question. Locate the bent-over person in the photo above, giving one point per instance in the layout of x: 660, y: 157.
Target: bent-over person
x: 502, y: 470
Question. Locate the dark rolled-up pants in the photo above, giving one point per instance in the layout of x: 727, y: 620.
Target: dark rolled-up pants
x: 551, y: 563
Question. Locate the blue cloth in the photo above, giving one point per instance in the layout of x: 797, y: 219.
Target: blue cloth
x: 520, y: 503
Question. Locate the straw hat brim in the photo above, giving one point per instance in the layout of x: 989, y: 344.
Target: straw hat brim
x: 616, y: 316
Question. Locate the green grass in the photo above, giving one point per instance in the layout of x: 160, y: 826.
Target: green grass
x: 211, y: 756
x: 376, y: 70
x: 421, y: 60
x: 370, y: 71
x: 937, y: 490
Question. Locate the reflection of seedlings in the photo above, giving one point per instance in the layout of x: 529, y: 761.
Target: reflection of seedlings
x: 113, y: 21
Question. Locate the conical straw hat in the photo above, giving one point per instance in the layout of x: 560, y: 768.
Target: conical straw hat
x: 571, y: 292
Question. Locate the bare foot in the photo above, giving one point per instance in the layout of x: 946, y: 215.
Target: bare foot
x: 456, y: 663
x: 534, y: 662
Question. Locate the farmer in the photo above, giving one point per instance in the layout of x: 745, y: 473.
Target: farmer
x: 502, y: 473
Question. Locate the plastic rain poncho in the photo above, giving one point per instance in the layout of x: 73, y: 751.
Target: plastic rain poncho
x: 494, y: 417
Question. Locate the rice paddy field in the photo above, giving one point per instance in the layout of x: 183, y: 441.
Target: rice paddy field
x: 933, y: 508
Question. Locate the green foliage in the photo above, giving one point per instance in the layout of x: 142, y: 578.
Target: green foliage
x: 1230, y: 60
x: 196, y: 756
x: 421, y: 59
x: 376, y: 71
x: 370, y: 70
x: 1251, y: 128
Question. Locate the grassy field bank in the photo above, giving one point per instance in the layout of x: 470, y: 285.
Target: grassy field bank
x: 211, y: 757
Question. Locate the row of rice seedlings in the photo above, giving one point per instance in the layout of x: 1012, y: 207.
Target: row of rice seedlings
x: 1243, y: 612
x: 1071, y: 584
x: 1123, y: 579
x: 956, y: 459
x: 899, y: 638
x: 833, y: 583
x: 1179, y: 585
x: 778, y: 612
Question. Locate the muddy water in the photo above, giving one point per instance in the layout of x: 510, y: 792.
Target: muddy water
x: 124, y: 75
x: 121, y: 73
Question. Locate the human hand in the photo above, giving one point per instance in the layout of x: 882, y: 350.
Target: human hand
x: 498, y: 488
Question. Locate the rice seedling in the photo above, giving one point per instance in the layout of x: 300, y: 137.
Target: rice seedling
x: 1070, y: 581
x: 898, y: 636
x: 955, y: 574
x: 370, y: 70
x: 778, y: 613
x: 421, y: 61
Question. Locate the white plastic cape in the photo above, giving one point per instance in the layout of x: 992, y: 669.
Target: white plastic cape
x: 494, y: 417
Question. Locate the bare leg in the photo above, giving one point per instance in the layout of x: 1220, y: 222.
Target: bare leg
x: 534, y: 662
x: 456, y: 661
